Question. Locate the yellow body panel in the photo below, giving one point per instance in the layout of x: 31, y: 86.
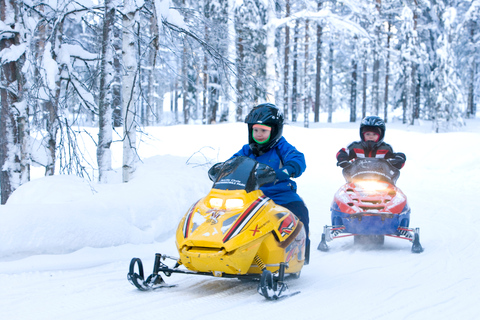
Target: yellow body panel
x: 218, y: 235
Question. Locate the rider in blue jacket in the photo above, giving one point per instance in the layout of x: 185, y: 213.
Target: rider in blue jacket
x: 267, y: 145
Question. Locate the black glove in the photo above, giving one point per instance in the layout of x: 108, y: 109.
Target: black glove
x: 398, y: 161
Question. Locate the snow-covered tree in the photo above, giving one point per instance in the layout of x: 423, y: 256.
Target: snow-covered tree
x: 14, y: 129
x: 105, y: 108
x: 129, y: 88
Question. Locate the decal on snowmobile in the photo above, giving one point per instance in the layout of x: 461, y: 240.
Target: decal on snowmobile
x: 287, y: 225
x: 188, y: 219
x: 215, y: 214
x: 246, y: 217
x: 255, y: 230
x: 258, y: 229
x: 230, y: 182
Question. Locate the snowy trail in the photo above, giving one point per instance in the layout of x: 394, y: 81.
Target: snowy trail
x: 348, y: 282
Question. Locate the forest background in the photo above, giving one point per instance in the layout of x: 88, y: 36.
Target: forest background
x: 120, y: 66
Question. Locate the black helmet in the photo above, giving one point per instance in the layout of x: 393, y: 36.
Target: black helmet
x: 375, y: 124
x: 267, y: 114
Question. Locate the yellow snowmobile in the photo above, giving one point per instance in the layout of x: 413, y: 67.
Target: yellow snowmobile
x: 235, y: 232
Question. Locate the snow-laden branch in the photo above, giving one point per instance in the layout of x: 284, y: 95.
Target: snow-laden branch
x: 77, y: 51
x: 165, y: 13
x: 12, y: 53
x: 335, y: 21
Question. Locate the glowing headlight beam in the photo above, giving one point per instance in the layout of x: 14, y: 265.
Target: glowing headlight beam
x: 372, y: 185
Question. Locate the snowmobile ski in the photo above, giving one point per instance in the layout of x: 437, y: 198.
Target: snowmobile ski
x: 153, y: 282
x: 273, y: 287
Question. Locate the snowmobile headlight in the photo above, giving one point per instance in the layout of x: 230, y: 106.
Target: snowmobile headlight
x: 233, y: 204
x: 216, y: 202
x: 372, y: 186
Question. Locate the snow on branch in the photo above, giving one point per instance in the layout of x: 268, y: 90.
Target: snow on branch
x: 13, y: 53
x: 336, y: 21
x: 77, y: 51
x: 172, y: 16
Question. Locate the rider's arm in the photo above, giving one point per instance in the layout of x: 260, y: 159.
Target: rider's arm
x: 344, y: 156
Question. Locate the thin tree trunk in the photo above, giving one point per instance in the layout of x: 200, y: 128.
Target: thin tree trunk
x: 175, y: 102
x: 285, y: 65
x: 129, y: 111
x: 270, y: 52
x: 105, y: 123
x: 353, y: 92
x: 205, y: 91
x: 318, y: 63
x: 213, y: 97
x: 186, y: 107
x: 239, y: 84
x: 306, y: 93
x: 413, y: 84
x: 52, y: 105
x: 231, y: 94
x: 13, y: 120
x: 387, y: 73
x: 376, y: 65
x: 364, y: 87
x: 153, y: 89
x: 471, y: 109
x: 330, y: 83
x: 295, y: 72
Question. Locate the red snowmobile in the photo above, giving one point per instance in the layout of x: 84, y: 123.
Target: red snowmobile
x: 369, y: 207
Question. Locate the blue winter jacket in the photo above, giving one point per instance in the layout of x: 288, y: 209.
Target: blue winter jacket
x: 283, y: 153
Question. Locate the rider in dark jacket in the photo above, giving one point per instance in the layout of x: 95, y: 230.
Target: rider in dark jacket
x: 371, y: 145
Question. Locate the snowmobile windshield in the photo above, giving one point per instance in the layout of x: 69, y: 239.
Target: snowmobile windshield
x: 371, y: 169
x: 243, y: 173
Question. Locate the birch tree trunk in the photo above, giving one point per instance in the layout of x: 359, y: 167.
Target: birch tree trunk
x: 52, y: 105
x: 105, y: 111
x: 13, y: 109
x: 129, y: 91
x: 154, y: 92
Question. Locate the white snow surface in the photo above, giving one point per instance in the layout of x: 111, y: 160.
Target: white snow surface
x: 66, y: 243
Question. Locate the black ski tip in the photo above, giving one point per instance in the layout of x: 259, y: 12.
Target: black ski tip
x: 416, y: 247
x: 322, y: 246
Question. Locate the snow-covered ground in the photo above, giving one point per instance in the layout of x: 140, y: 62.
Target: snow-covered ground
x: 66, y: 244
